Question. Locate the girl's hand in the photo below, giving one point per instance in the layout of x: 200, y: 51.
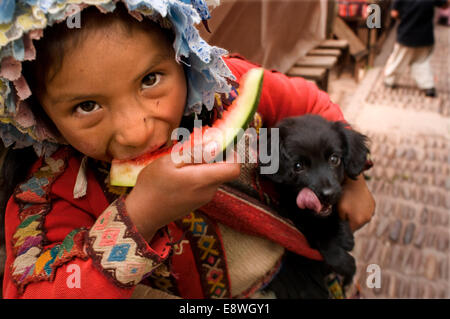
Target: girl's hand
x: 166, y: 191
x: 356, y: 204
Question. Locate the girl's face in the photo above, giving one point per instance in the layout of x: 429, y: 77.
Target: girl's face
x: 116, y: 95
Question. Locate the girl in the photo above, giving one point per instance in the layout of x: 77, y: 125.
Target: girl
x: 116, y: 88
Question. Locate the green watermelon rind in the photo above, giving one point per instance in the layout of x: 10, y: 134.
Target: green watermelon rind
x: 258, y: 74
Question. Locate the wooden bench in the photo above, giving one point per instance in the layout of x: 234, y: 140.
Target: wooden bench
x: 318, y: 75
x: 333, y: 44
x: 317, y: 61
x: 325, y: 52
x: 356, y: 47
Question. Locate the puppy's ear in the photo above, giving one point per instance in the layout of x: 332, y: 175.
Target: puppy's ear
x: 270, y: 164
x: 355, y: 150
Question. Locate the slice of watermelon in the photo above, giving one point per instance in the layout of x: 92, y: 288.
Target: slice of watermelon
x: 224, y: 131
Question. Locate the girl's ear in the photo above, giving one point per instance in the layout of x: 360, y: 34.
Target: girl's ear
x: 355, y: 150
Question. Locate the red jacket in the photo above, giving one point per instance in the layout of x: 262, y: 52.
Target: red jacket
x: 61, y: 247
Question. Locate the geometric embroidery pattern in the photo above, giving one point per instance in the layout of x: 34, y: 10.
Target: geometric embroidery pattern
x: 112, y: 242
x: 33, y: 262
x: 164, y: 282
x: 206, y: 246
x: 335, y: 287
x: 117, y: 251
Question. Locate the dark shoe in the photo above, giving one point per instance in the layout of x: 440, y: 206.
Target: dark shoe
x: 430, y: 92
x: 390, y: 86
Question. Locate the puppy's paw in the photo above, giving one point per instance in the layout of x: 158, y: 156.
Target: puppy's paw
x: 341, y: 262
x: 348, y: 269
x: 345, y: 236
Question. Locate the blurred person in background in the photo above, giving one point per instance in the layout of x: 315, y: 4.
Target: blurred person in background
x: 415, y: 43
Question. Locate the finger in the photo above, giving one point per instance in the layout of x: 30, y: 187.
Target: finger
x: 212, y: 173
x: 195, y: 153
x: 226, y: 171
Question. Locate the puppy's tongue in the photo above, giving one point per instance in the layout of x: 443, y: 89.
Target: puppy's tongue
x: 306, y: 199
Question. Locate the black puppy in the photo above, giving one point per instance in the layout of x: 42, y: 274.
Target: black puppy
x: 315, y: 155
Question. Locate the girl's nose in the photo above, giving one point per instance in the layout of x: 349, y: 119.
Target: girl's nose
x: 134, y: 130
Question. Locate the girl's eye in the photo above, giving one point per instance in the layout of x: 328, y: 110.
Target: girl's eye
x: 87, y: 107
x: 334, y: 160
x: 150, y: 80
x: 299, y: 166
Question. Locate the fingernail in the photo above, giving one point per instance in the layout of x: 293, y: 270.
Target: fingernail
x: 212, y: 149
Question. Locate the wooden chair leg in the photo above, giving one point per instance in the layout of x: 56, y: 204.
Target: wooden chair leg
x: 325, y: 81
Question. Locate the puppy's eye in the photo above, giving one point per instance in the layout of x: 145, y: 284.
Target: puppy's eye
x: 299, y: 166
x: 334, y: 160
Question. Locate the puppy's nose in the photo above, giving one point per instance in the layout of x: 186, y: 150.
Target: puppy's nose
x: 327, y: 191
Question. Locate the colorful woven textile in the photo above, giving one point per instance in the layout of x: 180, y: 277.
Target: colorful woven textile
x: 113, y: 242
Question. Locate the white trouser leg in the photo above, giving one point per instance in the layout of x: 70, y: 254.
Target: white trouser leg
x: 397, y: 63
x: 421, y: 67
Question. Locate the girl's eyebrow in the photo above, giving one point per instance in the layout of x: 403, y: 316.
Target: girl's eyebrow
x: 69, y: 98
x: 155, y: 61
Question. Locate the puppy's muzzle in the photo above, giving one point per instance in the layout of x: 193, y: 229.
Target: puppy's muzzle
x: 307, y: 199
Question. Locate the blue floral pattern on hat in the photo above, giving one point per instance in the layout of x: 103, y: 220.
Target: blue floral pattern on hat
x: 7, y: 10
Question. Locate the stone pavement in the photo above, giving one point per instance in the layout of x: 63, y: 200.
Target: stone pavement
x: 409, y: 236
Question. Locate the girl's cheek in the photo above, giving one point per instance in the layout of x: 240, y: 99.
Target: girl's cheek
x: 91, y: 148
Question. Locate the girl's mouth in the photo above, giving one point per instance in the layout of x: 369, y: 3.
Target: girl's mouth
x: 151, y: 149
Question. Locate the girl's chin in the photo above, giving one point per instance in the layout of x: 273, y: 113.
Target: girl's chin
x: 103, y: 158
